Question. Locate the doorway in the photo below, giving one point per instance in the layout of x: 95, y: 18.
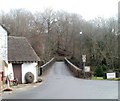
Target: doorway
x: 17, y: 69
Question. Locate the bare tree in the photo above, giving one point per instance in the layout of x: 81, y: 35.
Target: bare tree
x: 51, y: 32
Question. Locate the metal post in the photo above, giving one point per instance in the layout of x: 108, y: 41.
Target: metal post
x: 80, y: 49
x: 84, y: 60
x: 84, y: 68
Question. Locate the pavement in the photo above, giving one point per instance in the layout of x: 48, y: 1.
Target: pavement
x: 59, y: 83
x: 19, y: 87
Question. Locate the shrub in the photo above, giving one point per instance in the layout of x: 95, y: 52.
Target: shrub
x: 99, y: 71
x: 104, y: 67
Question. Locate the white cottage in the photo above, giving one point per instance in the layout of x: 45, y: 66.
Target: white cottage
x: 3, y: 52
x: 22, y: 59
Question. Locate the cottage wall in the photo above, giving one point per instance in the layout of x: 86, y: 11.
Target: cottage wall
x: 3, y: 51
x: 26, y: 67
x: 10, y: 71
x: 29, y: 67
x: 1, y: 65
x: 3, y: 44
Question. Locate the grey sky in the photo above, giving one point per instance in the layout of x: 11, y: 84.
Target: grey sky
x: 87, y: 8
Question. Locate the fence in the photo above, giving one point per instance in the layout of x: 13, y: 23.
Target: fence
x: 77, y: 71
x: 74, y: 69
x: 46, y: 66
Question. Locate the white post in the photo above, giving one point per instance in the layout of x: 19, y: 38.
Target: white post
x: 84, y: 68
x: 8, y: 82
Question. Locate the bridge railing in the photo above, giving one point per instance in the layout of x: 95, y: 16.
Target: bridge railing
x: 47, y: 65
x: 74, y: 69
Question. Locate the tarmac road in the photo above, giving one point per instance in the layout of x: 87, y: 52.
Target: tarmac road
x: 59, y: 83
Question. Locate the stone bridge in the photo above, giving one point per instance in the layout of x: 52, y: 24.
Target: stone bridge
x: 59, y: 83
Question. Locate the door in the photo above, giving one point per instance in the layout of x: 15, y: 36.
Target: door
x: 17, y: 69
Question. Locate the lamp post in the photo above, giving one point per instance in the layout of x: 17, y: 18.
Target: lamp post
x: 81, y: 50
x: 82, y: 57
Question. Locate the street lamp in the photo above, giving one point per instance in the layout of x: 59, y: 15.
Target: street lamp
x: 81, y: 49
x: 80, y: 33
x: 82, y: 57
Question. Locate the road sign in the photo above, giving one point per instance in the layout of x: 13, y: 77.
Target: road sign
x: 84, y: 58
x: 111, y: 75
x: 87, y: 68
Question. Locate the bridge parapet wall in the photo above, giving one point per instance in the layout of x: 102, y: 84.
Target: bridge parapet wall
x: 47, y: 65
x: 74, y: 69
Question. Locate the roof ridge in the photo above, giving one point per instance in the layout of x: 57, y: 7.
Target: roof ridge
x: 17, y: 37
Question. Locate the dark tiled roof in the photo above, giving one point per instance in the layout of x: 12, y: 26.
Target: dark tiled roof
x: 19, y: 50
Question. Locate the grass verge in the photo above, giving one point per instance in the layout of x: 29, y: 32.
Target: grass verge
x: 97, y: 78
x: 101, y: 78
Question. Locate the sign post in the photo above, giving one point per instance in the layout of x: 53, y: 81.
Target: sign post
x: 84, y: 60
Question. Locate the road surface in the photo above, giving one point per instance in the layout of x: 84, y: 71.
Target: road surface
x: 59, y: 83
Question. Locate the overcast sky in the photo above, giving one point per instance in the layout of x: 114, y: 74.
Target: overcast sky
x: 89, y: 9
